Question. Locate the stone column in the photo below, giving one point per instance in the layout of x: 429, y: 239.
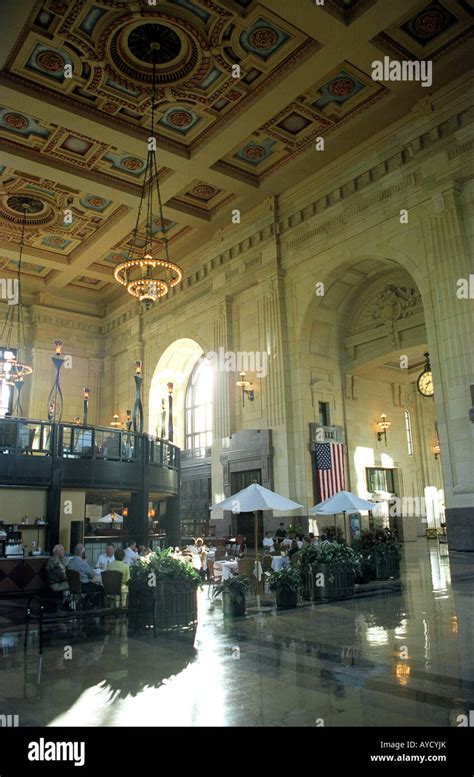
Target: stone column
x: 272, y: 343
x: 224, y: 421
x: 450, y: 327
x: 94, y: 372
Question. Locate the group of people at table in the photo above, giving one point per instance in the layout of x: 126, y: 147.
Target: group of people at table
x: 280, y: 546
x: 113, y: 559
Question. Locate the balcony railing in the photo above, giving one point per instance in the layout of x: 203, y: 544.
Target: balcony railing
x: 23, y: 436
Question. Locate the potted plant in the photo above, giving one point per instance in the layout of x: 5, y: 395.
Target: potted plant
x: 286, y: 583
x: 380, y: 554
x: 332, y: 571
x: 233, y: 593
x: 162, y: 592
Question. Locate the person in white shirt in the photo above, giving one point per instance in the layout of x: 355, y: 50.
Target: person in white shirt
x: 106, y: 558
x: 131, y: 553
x: 268, y: 541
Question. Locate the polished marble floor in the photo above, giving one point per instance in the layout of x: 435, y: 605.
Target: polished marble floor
x: 399, y: 657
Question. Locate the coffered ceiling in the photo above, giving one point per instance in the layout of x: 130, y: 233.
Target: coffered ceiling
x: 79, y: 143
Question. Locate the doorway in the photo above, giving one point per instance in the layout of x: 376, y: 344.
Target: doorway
x: 243, y: 523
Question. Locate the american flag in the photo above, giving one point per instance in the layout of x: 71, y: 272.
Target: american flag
x: 329, y: 464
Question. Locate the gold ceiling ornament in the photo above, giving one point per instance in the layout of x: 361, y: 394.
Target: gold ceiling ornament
x: 144, y: 274
x: 13, y: 368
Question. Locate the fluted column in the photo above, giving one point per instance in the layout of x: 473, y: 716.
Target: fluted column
x: 450, y: 327
x: 94, y: 372
x: 224, y: 422
x: 273, y: 386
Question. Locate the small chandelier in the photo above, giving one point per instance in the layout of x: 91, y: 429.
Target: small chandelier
x: 13, y: 368
x: 145, y: 275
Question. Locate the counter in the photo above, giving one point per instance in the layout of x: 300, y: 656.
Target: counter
x: 23, y: 573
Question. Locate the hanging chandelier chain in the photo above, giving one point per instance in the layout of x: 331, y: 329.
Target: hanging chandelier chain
x: 146, y: 275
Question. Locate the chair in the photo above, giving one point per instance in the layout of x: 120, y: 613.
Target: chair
x: 74, y: 583
x: 220, y: 554
x: 112, y: 582
x: 8, y: 434
x: 214, y: 576
x: 246, y: 567
x: 112, y: 445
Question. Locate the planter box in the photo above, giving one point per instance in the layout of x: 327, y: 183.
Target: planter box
x: 338, y: 582
x: 286, y: 599
x: 386, y: 568
x: 232, y: 607
x: 171, y: 606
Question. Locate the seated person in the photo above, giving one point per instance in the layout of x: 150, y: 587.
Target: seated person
x: 280, y: 533
x: 56, y: 572
x: 294, y: 549
x: 242, y: 548
x: 268, y: 542
x: 106, y: 558
x: 131, y: 553
x: 119, y: 565
x: 86, y: 573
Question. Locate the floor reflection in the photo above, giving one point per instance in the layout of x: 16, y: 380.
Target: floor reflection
x: 401, y: 657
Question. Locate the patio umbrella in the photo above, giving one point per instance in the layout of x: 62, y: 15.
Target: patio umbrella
x: 251, y: 500
x: 342, y: 502
x: 108, y: 518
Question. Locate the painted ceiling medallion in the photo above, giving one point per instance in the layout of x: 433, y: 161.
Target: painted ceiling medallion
x: 178, y: 46
x: 18, y: 202
x: 140, y: 40
x: 15, y: 121
x: 342, y: 87
x: 263, y: 38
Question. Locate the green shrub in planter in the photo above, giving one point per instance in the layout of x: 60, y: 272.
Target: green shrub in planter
x: 380, y: 554
x: 162, y: 592
x: 286, y: 583
x: 331, y: 574
x: 233, y: 592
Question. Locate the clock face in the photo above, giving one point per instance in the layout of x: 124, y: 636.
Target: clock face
x: 425, y: 384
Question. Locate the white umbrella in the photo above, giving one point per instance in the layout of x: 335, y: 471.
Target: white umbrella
x: 108, y: 518
x: 255, y: 497
x: 251, y: 500
x: 342, y: 502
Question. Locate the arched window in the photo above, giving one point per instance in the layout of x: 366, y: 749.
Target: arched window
x: 198, y: 406
x: 408, y: 433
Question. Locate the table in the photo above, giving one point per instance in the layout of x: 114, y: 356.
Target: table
x: 278, y: 562
x: 227, y: 567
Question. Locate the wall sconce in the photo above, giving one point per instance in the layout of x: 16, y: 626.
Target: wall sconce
x: 382, y: 427
x: 244, y: 385
x: 436, y: 450
x: 125, y: 512
x: 151, y: 513
x: 116, y: 421
x: 87, y: 393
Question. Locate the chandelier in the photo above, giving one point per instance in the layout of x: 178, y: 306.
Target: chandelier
x: 144, y: 274
x: 13, y: 368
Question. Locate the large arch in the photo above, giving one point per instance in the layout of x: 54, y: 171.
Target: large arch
x: 340, y: 346
x: 175, y: 366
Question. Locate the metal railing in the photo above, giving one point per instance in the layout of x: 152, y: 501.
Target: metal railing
x: 24, y: 436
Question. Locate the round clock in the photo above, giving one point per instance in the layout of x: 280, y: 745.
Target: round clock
x: 425, y: 380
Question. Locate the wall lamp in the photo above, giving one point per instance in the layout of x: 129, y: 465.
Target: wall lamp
x: 436, y: 450
x: 244, y: 385
x: 382, y: 427
x: 116, y: 421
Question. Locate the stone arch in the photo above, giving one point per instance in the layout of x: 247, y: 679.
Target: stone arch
x: 174, y: 366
